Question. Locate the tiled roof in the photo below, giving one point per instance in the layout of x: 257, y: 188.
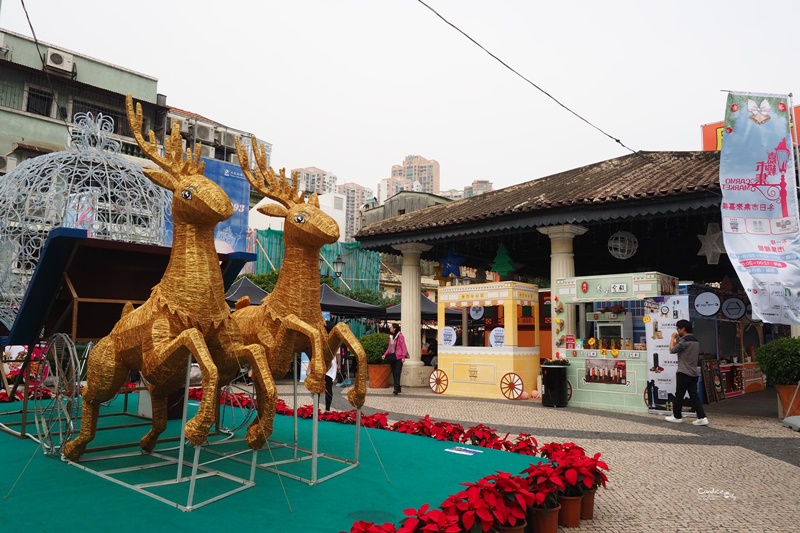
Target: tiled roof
x: 190, y: 114
x: 644, y: 177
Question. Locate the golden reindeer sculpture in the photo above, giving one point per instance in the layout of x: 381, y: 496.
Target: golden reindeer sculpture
x: 186, y: 314
x: 290, y: 317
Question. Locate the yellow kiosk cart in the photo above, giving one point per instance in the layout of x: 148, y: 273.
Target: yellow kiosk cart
x: 507, y: 362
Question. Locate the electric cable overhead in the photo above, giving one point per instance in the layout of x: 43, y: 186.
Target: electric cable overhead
x: 556, y: 100
x: 44, y: 70
x: 550, y: 96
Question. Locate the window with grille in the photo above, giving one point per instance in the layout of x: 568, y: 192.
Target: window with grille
x: 39, y: 102
x: 120, y: 118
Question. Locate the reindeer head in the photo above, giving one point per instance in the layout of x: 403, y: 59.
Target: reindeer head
x: 196, y: 199
x: 306, y: 224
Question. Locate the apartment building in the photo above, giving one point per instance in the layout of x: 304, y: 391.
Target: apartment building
x: 417, y: 168
x: 40, y: 96
x: 355, y: 196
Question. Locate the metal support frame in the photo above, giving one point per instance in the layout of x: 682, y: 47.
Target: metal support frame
x: 199, y: 470
x: 314, y: 455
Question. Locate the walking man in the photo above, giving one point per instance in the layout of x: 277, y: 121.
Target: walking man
x: 687, y: 347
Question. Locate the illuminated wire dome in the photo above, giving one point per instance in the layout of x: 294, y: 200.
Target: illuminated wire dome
x: 88, y: 186
x: 623, y: 245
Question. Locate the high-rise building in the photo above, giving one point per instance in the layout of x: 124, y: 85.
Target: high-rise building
x: 316, y: 180
x: 355, y: 196
x: 452, y: 194
x: 477, y: 188
x: 417, y: 168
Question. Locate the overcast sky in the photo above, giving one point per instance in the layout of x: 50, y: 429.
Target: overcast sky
x: 353, y: 86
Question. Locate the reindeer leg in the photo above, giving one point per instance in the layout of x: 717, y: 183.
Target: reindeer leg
x: 158, y: 401
x: 104, y: 378
x: 284, y: 351
x: 266, y: 397
x: 169, y: 356
x: 229, y: 343
x: 341, y: 334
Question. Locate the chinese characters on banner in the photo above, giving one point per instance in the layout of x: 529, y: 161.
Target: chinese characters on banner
x: 661, y: 315
x: 759, y: 204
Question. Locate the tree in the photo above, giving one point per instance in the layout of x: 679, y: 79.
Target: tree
x: 369, y: 296
x: 264, y: 281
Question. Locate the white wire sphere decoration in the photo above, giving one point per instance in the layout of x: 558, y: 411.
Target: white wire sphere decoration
x: 623, y: 245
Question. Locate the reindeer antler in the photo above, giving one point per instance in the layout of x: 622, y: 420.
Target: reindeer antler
x: 274, y: 186
x: 174, y: 163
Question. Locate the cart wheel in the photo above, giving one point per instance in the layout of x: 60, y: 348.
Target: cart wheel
x: 57, y: 399
x: 438, y: 381
x: 511, y: 386
x: 236, y: 406
x: 569, y: 390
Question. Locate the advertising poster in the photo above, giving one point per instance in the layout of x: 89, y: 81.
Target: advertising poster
x: 759, y: 204
x: 661, y: 315
x: 230, y: 235
x: 611, y: 371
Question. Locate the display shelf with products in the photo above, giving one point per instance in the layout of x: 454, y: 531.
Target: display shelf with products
x: 732, y: 382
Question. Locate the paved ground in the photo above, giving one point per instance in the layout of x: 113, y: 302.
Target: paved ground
x: 740, y: 473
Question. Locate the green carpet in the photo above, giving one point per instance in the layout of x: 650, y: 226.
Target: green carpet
x: 47, y: 494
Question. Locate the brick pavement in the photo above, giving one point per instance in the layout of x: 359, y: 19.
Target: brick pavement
x: 664, y: 477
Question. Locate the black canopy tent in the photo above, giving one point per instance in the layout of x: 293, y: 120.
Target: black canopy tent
x: 429, y: 310
x: 340, y: 305
x: 244, y: 287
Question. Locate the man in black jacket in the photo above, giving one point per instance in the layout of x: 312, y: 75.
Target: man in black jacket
x: 687, y: 347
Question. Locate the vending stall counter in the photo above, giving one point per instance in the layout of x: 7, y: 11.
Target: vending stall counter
x: 607, y: 369
x: 506, y: 365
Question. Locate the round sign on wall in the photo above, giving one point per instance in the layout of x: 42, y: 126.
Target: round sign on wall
x: 497, y: 338
x: 476, y: 312
x: 707, y: 303
x: 447, y: 336
x: 734, y: 308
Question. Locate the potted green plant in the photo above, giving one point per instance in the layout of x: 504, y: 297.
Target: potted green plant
x: 378, y: 370
x: 780, y: 361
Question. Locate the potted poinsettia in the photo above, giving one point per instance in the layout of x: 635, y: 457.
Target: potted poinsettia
x: 495, y: 503
x: 596, y: 469
x: 544, y: 483
x: 574, y: 469
x: 429, y: 520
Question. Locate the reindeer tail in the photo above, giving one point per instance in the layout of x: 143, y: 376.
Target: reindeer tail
x: 242, y: 302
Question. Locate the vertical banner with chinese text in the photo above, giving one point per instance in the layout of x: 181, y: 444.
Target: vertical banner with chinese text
x: 759, y: 204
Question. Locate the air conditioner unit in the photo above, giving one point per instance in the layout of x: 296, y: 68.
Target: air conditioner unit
x: 204, y: 132
x: 233, y: 158
x: 207, y: 151
x: 7, y: 164
x: 183, y: 124
x: 58, y: 60
x: 227, y: 139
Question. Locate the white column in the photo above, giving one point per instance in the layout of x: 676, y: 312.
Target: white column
x: 410, y: 314
x: 562, y: 265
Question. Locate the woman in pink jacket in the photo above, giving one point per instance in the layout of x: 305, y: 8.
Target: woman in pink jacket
x: 397, y: 348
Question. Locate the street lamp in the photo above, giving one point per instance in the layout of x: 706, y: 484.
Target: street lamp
x: 338, y: 266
